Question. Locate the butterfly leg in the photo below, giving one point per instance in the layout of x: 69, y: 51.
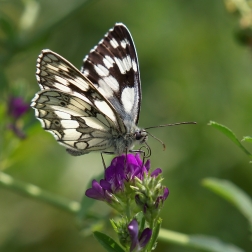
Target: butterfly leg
x: 103, y: 161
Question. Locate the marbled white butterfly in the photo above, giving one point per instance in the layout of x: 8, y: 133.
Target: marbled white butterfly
x: 96, y: 108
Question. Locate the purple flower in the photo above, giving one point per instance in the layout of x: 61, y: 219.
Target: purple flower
x: 98, y: 192
x: 127, y: 182
x: 17, y: 107
x: 156, y: 172
x: 137, y: 243
x: 123, y: 169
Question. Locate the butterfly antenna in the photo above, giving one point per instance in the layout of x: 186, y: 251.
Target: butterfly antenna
x: 160, y: 141
x: 170, y: 124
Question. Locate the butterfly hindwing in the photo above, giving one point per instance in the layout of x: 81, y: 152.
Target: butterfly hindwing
x: 112, y: 66
x: 73, y: 122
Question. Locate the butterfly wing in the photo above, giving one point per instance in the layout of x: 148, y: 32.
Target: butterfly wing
x: 112, y: 66
x: 71, y: 108
x: 73, y: 122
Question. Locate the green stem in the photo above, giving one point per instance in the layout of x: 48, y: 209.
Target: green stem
x: 128, y: 212
x: 36, y: 192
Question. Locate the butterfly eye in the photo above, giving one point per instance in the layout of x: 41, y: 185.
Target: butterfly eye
x: 141, y: 136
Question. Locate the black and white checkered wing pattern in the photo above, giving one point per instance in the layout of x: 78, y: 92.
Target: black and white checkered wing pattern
x: 71, y: 108
x: 76, y: 124
x: 112, y: 66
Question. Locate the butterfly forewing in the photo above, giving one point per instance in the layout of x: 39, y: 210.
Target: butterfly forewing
x: 54, y: 72
x: 112, y: 66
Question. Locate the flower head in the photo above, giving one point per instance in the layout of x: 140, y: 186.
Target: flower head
x: 137, y: 194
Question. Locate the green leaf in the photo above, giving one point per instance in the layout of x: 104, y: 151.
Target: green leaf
x: 155, y: 233
x: 233, y: 194
x: 226, y: 131
x: 247, y: 139
x: 108, y: 243
x: 202, y: 242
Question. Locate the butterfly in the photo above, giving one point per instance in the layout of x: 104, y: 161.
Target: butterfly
x: 96, y: 108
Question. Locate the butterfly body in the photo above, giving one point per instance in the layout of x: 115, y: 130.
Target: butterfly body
x: 97, y: 108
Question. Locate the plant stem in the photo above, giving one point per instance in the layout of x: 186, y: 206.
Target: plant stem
x: 38, y: 193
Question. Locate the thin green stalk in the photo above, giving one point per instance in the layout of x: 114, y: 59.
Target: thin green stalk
x: 36, y: 192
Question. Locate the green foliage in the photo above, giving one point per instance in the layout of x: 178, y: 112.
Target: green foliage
x: 233, y: 194
x: 108, y: 243
x: 226, y: 131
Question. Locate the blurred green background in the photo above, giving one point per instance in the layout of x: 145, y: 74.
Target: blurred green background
x: 192, y: 69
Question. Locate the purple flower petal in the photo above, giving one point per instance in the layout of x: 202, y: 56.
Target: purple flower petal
x: 138, y: 159
x: 156, y: 172
x: 161, y: 199
x: 116, y: 169
x: 124, y: 168
x: 166, y: 193
x: 105, y: 185
x: 145, y: 237
x: 133, y: 232
x: 96, y: 192
x: 141, y: 164
x: 147, y: 165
